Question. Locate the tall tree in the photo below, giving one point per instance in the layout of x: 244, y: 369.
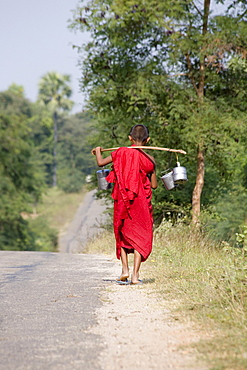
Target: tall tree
x: 42, y: 133
x: 54, y: 92
x: 141, y: 51
x: 74, y: 152
x: 21, y: 176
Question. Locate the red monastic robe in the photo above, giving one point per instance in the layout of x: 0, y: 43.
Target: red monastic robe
x: 132, y: 193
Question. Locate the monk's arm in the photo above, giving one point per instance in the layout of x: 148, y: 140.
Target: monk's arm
x: 100, y: 160
x: 153, y: 180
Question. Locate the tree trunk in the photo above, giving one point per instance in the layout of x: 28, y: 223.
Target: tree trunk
x: 196, y: 196
x: 55, y: 150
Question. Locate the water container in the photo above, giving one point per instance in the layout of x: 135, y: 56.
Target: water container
x: 168, y: 180
x: 101, y: 177
x: 179, y: 174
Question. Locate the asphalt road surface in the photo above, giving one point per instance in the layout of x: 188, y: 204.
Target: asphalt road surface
x: 86, y: 223
x: 47, y: 306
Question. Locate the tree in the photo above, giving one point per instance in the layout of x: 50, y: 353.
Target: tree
x: 54, y: 92
x: 156, y: 62
x: 74, y: 152
x: 13, y: 101
x: 42, y: 135
x: 21, y: 178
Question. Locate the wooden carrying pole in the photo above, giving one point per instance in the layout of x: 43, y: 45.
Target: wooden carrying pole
x: 149, y: 147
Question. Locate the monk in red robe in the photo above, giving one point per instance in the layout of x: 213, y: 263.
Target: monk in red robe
x: 133, y: 175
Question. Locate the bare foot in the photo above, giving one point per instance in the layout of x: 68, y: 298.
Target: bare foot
x: 136, y: 282
x: 135, y: 279
x: 122, y: 277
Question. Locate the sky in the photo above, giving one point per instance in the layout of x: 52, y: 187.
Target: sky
x: 34, y: 40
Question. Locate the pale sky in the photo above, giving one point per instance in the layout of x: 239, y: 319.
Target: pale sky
x: 34, y: 40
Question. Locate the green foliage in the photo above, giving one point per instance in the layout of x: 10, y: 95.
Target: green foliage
x: 231, y: 211
x: 167, y: 65
x: 12, y: 101
x: 21, y: 173
x: 54, y: 91
x: 241, y: 239
x: 45, y: 237
x: 21, y: 182
x: 41, y: 132
x: 27, y: 160
x: 75, y: 160
x: 16, y: 90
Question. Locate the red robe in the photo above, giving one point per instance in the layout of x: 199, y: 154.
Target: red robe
x: 132, y: 194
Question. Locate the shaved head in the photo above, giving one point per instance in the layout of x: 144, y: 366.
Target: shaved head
x: 139, y: 133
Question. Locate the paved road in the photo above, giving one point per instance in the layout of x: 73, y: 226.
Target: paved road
x: 47, y: 305
x: 86, y: 223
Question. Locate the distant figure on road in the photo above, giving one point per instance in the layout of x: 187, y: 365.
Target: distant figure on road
x: 133, y: 175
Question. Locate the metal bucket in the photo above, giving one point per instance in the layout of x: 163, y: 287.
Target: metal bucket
x: 168, y: 180
x: 101, y: 177
x: 179, y: 174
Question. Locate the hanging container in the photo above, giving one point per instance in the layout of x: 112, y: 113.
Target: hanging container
x: 179, y: 174
x: 101, y: 177
x: 168, y: 181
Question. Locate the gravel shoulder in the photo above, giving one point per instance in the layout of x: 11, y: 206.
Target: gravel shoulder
x: 139, y: 331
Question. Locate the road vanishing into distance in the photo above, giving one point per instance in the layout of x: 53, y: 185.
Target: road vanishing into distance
x: 86, y: 223
x: 48, y: 300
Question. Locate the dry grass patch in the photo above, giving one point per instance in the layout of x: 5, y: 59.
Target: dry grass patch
x: 59, y: 208
x: 104, y: 243
x: 207, y: 283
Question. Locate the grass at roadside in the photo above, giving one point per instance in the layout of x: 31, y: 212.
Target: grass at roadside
x: 203, y: 281
x: 103, y: 243
x: 207, y: 283
x: 58, y: 207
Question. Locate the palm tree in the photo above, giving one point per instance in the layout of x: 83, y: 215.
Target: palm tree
x: 54, y: 92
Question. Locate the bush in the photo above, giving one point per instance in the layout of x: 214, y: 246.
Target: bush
x: 45, y: 238
x: 70, y: 181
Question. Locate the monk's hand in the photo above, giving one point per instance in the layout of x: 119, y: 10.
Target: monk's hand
x: 97, y: 149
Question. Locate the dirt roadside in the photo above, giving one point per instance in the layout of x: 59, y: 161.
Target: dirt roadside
x: 140, y: 332
x: 137, y: 328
